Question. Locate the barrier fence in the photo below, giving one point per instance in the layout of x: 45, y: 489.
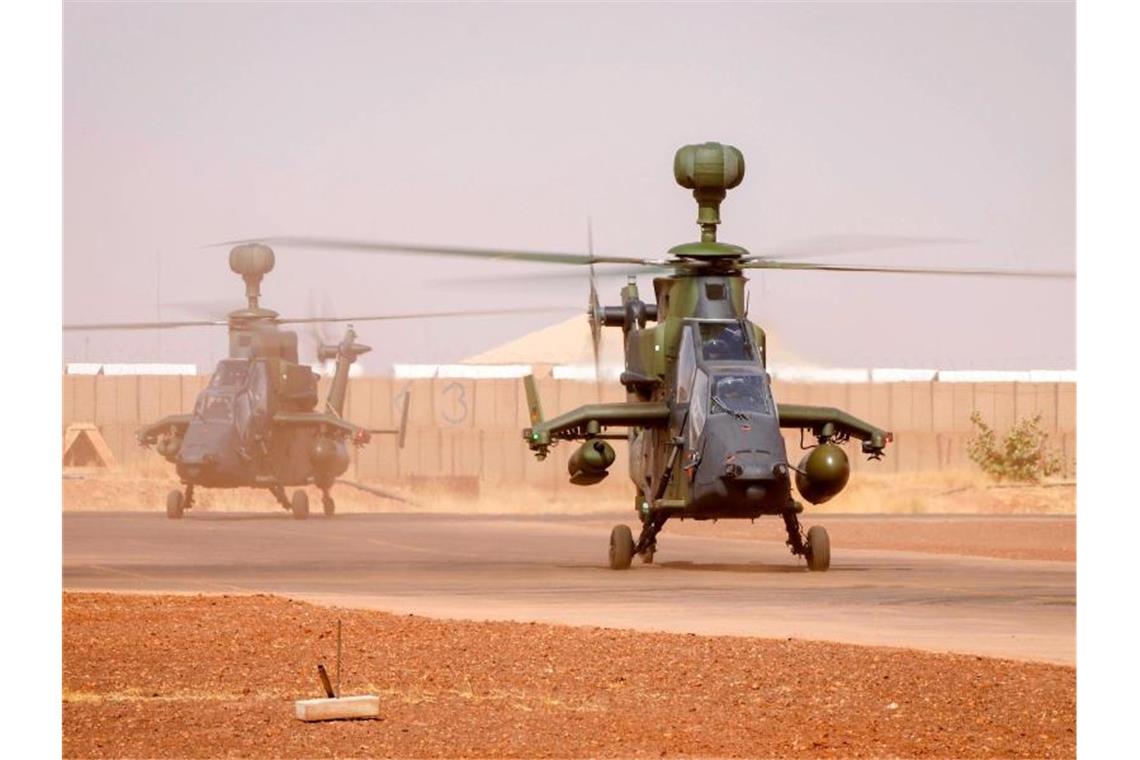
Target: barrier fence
x: 472, y: 428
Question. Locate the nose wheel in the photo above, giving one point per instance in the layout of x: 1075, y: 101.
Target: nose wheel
x: 299, y: 505
x: 815, y: 547
x: 621, y: 547
x: 176, y: 503
x: 818, y: 549
x: 327, y: 504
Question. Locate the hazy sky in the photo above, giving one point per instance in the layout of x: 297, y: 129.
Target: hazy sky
x: 497, y: 125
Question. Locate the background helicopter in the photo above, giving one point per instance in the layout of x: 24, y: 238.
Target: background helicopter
x: 256, y: 424
x: 703, y: 428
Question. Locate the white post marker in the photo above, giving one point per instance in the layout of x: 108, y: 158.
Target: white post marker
x: 334, y: 706
x: 338, y: 708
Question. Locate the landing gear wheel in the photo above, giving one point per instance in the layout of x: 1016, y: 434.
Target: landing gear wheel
x: 174, y: 505
x: 328, y: 505
x: 647, y: 556
x: 621, y: 548
x: 300, y: 505
x: 818, y: 549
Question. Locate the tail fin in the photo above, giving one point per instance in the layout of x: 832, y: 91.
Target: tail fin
x: 344, y: 353
x: 533, y: 403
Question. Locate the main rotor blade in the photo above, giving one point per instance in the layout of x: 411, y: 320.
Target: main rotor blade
x: 806, y: 266
x: 425, y: 315
x: 595, y: 308
x: 217, y: 308
x: 147, y: 325
x: 368, y: 246
x: 834, y: 245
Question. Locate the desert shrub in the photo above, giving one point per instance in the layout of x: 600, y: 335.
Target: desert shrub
x: 1023, y: 455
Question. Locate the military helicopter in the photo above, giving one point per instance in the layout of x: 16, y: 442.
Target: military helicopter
x: 702, y: 425
x: 256, y: 424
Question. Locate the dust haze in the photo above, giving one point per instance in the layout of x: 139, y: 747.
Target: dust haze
x: 512, y: 125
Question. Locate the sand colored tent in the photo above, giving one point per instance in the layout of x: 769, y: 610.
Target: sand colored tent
x: 83, y: 446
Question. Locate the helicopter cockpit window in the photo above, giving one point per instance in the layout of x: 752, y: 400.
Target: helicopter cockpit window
x: 259, y: 386
x: 686, y: 364
x: 215, y: 407
x: 698, y: 408
x: 725, y: 341
x: 231, y: 373
x: 256, y: 403
x: 737, y: 394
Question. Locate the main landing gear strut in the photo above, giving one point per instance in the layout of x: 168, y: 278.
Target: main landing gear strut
x: 815, y: 546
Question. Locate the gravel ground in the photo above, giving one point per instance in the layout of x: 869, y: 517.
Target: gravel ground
x: 212, y: 676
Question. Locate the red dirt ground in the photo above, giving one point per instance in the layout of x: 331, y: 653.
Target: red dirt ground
x: 210, y: 676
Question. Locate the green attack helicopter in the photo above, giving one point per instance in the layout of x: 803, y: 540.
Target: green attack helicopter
x: 702, y: 426
x: 257, y: 423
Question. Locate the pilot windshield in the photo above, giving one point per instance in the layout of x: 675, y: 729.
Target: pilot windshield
x: 741, y: 393
x: 231, y: 373
x: 216, y: 408
x: 724, y: 341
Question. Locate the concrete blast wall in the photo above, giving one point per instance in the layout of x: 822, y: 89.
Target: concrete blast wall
x: 473, y: 427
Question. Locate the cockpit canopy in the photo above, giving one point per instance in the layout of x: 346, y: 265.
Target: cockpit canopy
x: 707, y: 342
x: 231, y: 373
x: 741, y: 393
x: 215, y: 407
x: 238, y: 394
x: 724, y: 341
x: 719, y: 372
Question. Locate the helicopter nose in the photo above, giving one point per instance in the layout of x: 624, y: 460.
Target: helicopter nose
x: 753, y: 466
x: 196, y: 463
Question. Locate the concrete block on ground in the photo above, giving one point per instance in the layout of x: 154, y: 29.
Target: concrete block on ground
x: 338, y: 708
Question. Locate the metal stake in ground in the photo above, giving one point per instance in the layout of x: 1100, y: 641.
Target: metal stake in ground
x: 336, y: 707
x: 325, y: 681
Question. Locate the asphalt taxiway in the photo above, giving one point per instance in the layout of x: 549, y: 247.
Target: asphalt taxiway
x: 553, y: 569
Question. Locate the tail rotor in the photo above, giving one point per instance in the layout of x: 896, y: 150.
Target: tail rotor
x: 594, y: 312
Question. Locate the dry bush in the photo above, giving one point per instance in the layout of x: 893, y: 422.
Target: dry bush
x: 1022, y: 456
